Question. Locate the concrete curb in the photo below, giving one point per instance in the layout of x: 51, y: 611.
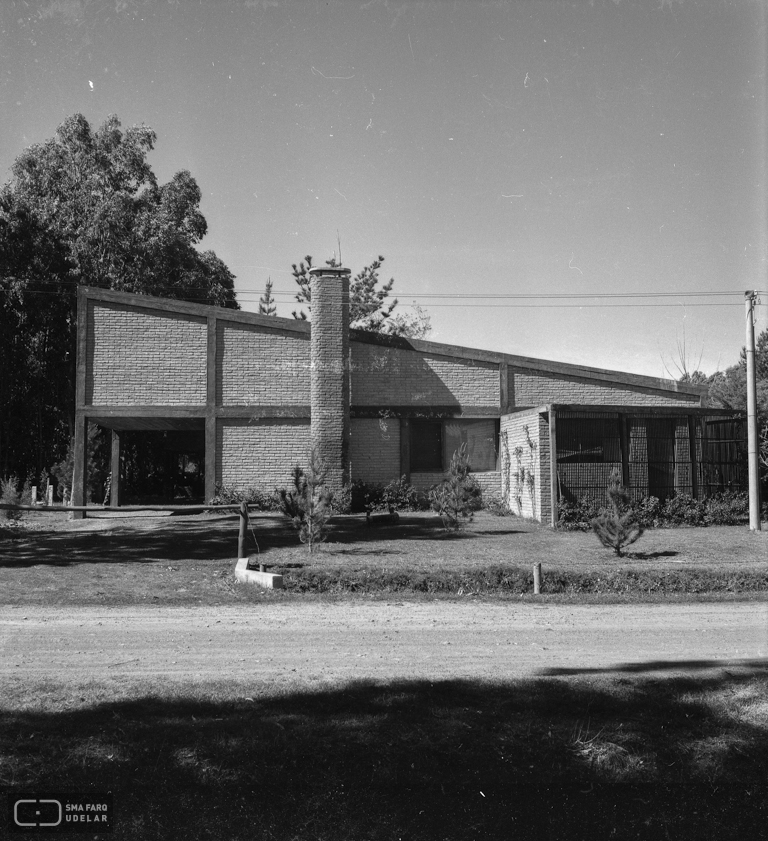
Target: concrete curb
x: 270, y: 580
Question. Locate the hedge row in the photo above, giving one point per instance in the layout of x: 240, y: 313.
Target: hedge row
x: 724, y: 509
x: 508, y: 580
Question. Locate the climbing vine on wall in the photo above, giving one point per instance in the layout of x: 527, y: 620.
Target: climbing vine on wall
x: 524, y: 475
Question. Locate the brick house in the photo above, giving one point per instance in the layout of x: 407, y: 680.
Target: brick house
x: 251, y: 393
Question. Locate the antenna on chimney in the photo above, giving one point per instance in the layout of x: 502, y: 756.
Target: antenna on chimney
x: 338, y: 240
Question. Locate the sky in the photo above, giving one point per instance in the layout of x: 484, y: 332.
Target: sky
x: 562, y: 151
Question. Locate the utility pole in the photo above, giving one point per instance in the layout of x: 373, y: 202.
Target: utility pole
x: 750, y: 298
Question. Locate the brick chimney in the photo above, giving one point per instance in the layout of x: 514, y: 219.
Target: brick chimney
x: 330, y: 371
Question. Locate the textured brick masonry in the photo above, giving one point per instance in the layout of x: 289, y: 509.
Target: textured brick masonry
x: 257, y: 366
x: 330, y: 372
x: 136, y: 358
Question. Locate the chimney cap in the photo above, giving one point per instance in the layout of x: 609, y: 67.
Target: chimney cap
x: 329, y: 271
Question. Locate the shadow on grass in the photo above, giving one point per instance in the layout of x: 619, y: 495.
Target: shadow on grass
x: 170, y: 539
x: 649, y: 556
x: 640, y: 758
x: 758, y: 666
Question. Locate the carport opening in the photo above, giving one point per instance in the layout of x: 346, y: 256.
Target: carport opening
x: 162, y: 467
x: 146, y: 461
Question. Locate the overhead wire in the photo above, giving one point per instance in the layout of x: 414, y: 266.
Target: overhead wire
x: 593, y: 300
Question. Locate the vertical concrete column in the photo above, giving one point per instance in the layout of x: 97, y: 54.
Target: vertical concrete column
x: 329, y: 395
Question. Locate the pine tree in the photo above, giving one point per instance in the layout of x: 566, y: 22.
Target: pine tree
x: 309, y: 503
x: 457, y: 496
x: 617, y: 527
x: 369, y: 308
x: 267, y: 302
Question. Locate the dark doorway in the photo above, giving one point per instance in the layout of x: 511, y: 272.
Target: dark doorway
x: 661, y: 457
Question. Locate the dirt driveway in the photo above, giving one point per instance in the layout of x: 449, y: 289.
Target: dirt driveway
x: 352, y: 640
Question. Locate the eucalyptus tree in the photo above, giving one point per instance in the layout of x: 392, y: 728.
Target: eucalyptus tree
x: 85, y: 207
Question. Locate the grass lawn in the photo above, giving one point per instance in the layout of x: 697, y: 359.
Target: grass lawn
x: 189, y: 560
x: 620, y: 754
x: 609, y: 756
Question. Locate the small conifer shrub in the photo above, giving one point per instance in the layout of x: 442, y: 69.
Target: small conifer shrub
x: 309, y: 504
x: 10, y: 495
x: 618, y: 526
x: 457, y: 497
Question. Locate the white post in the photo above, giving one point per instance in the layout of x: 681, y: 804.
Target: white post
x: 49, y: 496
x: 33, y: 495
x: 752, y: 441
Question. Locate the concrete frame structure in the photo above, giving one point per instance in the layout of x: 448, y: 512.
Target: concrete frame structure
x: 262, y: 389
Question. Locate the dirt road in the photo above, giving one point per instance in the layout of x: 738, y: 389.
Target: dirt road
x: 318, y: 642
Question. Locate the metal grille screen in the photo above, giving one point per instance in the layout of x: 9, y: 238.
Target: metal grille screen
x: 588, y: 449
x: 658, y: 457
x: 722, y: 454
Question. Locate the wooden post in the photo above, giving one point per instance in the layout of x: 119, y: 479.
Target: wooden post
x: 554, y: 512
x: 624, y: 439
x: 504, y: 388
x: 243, y: 527
x: 405, y: 449
x: 694, y: 460
x: 211, y: 467
x: 114, y: 488
x: 80, y: 471
x: 536, y: 579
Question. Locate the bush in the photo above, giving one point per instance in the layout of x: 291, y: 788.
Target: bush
x: 261, y: 500
x: 398, y: 495
x: 365, y: 497
x: 495, y: 505
x: 722, y: 509
x: 342, y: 501
x: 683, y: 510
x: 577, y: 515
x: 458, y: 496
x: 10, y: 495
x: 727, y: 509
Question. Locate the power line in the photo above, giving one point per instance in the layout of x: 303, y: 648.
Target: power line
x: 523, y: 295
x: 586, y: 300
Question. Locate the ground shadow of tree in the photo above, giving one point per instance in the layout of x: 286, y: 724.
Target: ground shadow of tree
x: 168, y: 541
x: 173, y: 539
x: 640, y: 757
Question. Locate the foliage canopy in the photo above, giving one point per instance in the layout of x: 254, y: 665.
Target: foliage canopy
x: 84, y: 207
x: 370, y: 306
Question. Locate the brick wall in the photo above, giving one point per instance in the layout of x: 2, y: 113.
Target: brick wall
x: 384, y: 376
x: 261, y: 453
x: 490, y: 483
x: 375, y: 450
x: 258, y: 366
x: 535, y: 389
x: 136, y: 358
x: 424, y: 481
x: 526, y: 499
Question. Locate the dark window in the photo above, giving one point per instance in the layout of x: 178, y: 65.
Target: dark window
x: 481, y: 438
x: 434, y: 442
x: 426, y: 446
